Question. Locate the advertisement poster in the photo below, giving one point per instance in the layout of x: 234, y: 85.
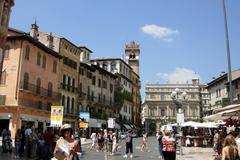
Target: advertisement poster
x: 84, y: 118
x: 111, y: 123
x: 56, y: 116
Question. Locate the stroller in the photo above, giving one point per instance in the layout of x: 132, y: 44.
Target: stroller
x: 7, y: 144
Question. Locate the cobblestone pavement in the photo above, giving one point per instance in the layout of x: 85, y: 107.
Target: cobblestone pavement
x: 189, y: 153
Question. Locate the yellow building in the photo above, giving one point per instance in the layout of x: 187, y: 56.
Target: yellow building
x: 68, y: 78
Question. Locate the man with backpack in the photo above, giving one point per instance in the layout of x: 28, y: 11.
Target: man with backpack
x: 129, y: 144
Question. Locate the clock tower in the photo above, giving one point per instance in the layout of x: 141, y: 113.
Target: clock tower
x: 132, y: 52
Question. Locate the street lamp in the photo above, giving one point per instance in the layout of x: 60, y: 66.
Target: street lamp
x: 178, y: 97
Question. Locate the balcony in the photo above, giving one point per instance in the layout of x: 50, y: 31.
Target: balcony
x: 68, y: 88
x: 39, y: 91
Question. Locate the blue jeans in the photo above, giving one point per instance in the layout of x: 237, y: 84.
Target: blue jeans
x: 160, y: 149
x: 17, y: 147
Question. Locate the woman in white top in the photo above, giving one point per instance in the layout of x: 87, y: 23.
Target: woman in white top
x: 94, y: 138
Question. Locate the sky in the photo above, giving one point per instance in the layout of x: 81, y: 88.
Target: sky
x: 179, y: 39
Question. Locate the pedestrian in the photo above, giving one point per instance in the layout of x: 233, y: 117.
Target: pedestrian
x: 28, y: 136
x: 144, y: 141
x: 110, y: 142
x: 22, y: 139
x: 34, y: 142
x: 160, y: 144
x: 105, y: 136
x: 215, y: 141
x: 18, y: 136
x: 40, y: 146
x: 169, y: 149
x: 67, y: 148
x: 48, y: 148
x: 94, y: 138
x: 100, y: 140
x: 129, y: 144
x: 230, y: 150
x: 238, y: 142
x: 114, y: 148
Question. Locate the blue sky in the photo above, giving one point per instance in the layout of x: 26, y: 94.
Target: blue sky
x: 178, y: 38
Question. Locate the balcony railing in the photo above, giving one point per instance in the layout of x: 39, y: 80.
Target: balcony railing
x: 69, y: 88
x: 39, y: 90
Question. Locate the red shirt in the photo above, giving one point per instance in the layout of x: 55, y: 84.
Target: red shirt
x: 169, y: 144
x: 48, y: 137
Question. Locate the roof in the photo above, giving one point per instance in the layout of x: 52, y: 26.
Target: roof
x: 84, y: 47
x: 35, y: 42
x: 103, y: 70
x: 16, y: 30
x: 111, y: 59
x: 60, y: 37
x: 235, y: 75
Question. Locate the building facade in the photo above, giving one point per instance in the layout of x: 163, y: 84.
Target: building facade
x: 123, y: 83
x: 5, y: 10
x: 159, y: 109
x: 68, y: 78
x: 218, y: 91
x: 29, y: 82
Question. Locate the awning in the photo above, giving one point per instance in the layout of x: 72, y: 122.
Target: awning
x: 95, y: 123
x: 222, y: 115
x: 127, y: 126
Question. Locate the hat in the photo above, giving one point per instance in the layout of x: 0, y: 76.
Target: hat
x: 65, y: 126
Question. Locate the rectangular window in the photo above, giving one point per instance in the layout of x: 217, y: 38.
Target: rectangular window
x: 93, y: 80
x: 2, y: 99
x: 99, y: 83
x: 104, y: 84
x: 111, y: 88
x: 162, y: 112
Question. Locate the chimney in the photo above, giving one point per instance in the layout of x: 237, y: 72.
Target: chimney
x: 34, y: 30
x: 222, y: 73
x: 50, y: 41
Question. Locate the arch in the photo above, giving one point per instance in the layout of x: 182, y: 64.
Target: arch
x: 27, y: 52
x: 68, y: 104
x: 25, y: 80
x: 38, y: 59
x: 44, y: 62
x: 73, y: 101
x: 54, y: 66
x: 50, y: 86
x: 38, y: 87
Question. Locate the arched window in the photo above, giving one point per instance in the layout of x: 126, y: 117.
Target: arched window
x: 27, y: 53
x: 38, y: 88
x: 6, y: 52
x: 44, y: 62
x: 50, y: 89
x: 54, y: 66
x: 72, y: 105
x: 38, y: 59
x: 68, y: 104
x: 25, y: 81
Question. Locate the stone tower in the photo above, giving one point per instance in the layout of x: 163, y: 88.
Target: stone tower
x: 132, y: 52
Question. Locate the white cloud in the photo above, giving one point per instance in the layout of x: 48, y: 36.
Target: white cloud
x: 159, y: 32
x: 179, y: 75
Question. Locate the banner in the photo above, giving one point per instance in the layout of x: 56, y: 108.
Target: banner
x: 84, y: 118
x: 56, y: 116
x: 111, y: 123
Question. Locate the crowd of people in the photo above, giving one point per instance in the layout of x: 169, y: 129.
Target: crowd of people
x: 226, y: 145
x: 35, y: 144
x: 62, y: 145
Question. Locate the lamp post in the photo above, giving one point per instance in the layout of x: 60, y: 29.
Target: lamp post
x: 178, y: 97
